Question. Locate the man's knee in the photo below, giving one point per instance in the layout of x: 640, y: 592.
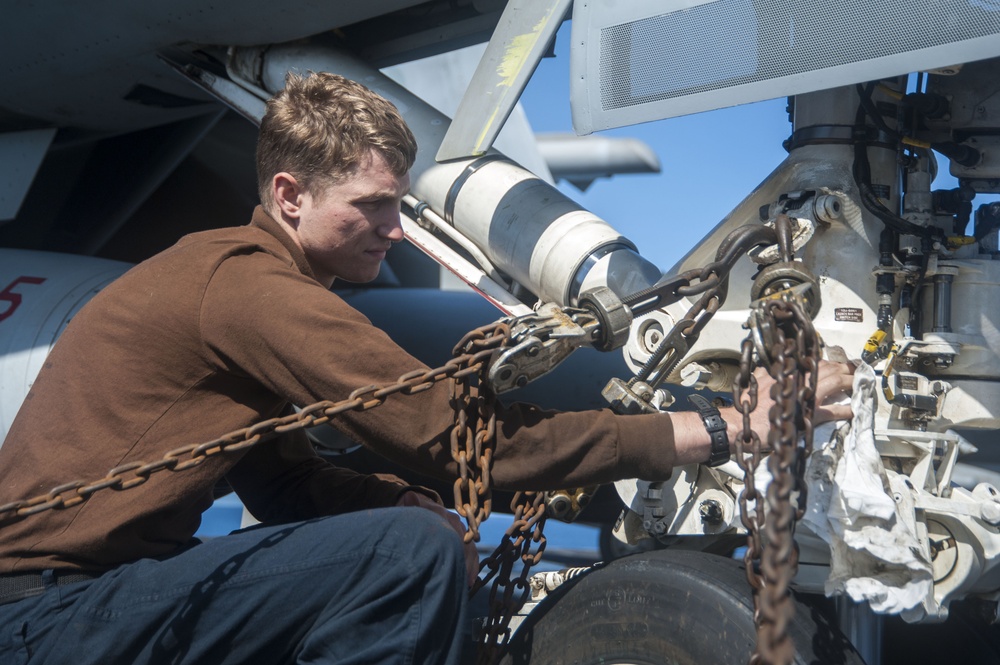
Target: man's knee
x: 426, y: 535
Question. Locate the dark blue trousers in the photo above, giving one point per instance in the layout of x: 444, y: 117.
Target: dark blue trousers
x: 379, y: 586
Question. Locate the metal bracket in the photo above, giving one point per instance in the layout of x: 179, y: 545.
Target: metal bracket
x: 541, y: 340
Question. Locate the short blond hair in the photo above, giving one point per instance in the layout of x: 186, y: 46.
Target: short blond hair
x: 321, y: 126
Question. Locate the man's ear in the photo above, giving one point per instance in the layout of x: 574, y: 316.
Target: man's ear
x: 287, y: 194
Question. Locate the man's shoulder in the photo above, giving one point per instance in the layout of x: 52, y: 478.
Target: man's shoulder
x: 184, y: 270
x: 198, y: 256
x: 232, y: 240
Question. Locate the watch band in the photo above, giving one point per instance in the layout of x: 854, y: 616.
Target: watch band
x: 716, y: 427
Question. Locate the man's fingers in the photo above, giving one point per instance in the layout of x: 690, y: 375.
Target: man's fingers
x: 825, y: 414
x: 834, y: 382
x: 833, y: 385
x: 827, y: 368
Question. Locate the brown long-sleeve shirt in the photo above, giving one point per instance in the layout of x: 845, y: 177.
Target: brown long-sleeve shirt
x: 223, y: 330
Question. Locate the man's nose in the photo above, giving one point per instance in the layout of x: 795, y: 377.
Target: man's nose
x: 391, y: 228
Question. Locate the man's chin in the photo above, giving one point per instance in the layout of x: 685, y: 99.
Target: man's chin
x: 359, y: 277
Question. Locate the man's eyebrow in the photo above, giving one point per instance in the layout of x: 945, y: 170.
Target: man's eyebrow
x: 383, y: 194
x: 378, y: 196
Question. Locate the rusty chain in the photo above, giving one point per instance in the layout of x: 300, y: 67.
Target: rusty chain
x: 472, y: 446
x: 472, y: 442
x: 748, y: 455
x: 711, y: 282
x: 522, y: 541
x: 685, y: 332
x: 791, y: 349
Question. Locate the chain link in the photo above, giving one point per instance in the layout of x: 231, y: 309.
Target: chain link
x: 792, y: 355
x: 524, y: 541
x: 711, y: 282
x: 792, y: 349
x: 472, y: 448
x: 473, y: 435
x: 685, y: 332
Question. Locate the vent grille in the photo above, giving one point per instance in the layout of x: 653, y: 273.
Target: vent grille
x: 738, y: 42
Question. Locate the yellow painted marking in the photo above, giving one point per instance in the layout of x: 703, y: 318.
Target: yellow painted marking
x: 514, y: 58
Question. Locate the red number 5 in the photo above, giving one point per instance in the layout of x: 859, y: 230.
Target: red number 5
x: 12, y: 299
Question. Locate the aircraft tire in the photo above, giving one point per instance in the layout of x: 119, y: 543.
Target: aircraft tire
x: 679, y: 607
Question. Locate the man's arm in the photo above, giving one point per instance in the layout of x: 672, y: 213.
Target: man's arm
x: 285, y: 480
x: 693, y: 443
x: 535, y: 444
x: 305, y: 344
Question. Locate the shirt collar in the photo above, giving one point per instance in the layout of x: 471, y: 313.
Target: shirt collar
x: 265, y: 222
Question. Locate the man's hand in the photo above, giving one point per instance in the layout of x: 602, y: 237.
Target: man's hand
x: 834, y: 382
x: 471, y: 554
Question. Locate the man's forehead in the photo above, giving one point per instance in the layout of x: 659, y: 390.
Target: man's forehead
x: 381, y: 183
x: 370, y: 179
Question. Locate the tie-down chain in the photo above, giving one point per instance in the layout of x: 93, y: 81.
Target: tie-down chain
x: 787, y: 344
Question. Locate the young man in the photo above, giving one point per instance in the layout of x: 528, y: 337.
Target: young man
x: 230, y: 327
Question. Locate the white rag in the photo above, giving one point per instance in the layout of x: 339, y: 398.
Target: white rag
x: 875, y: 554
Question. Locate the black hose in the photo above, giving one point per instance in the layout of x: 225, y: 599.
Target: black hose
x: 862, y: 171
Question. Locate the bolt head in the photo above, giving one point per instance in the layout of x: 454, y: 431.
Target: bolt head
x: 711, y: 512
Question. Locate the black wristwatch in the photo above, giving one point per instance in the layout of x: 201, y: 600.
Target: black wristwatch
x: 716, y: 427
